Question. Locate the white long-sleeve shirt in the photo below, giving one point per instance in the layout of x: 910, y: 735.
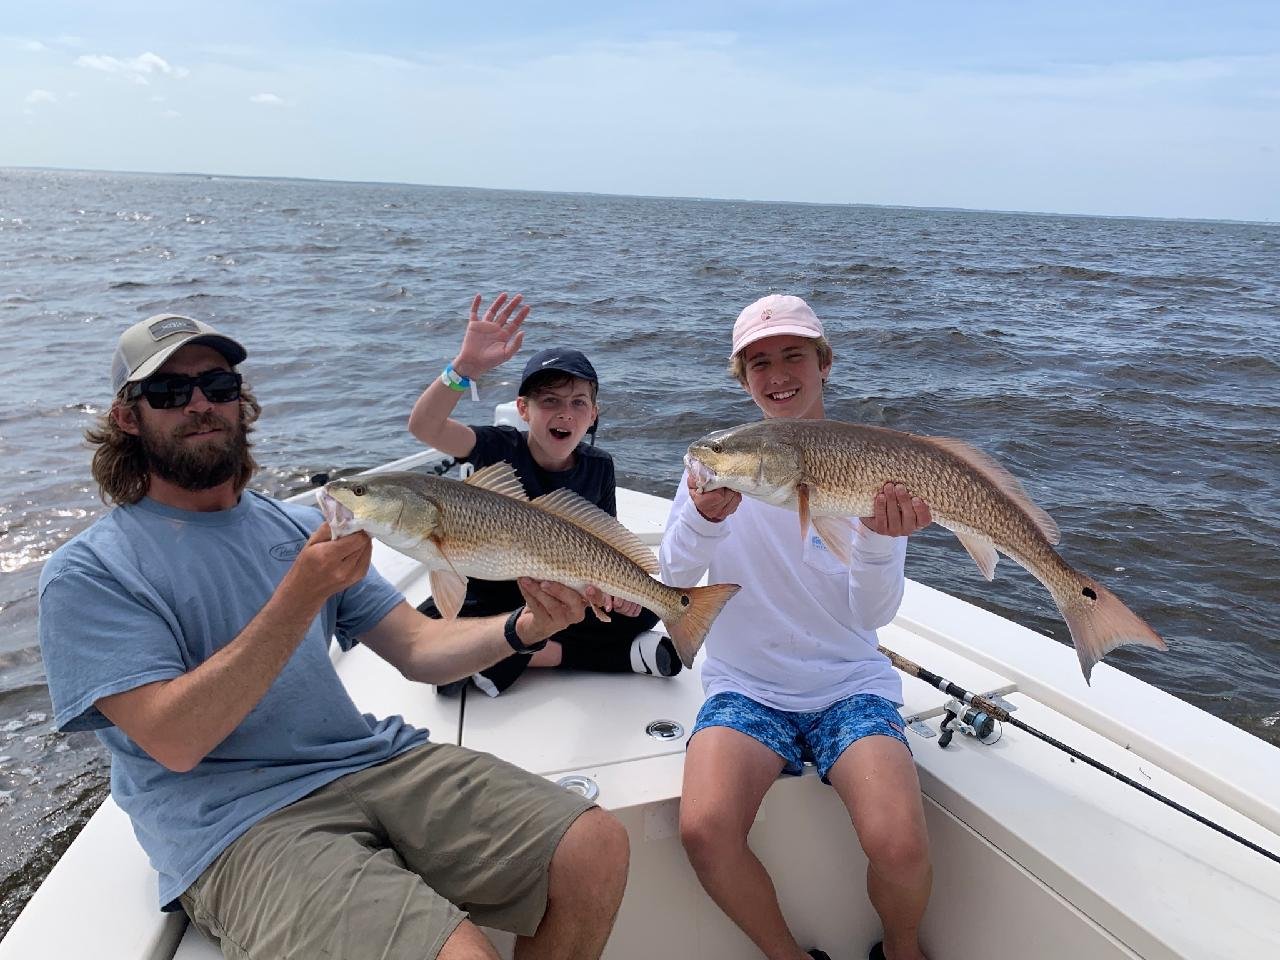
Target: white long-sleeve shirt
x: 801, y: 634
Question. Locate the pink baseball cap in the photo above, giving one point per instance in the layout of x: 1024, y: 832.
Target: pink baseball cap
x: 774, y: 315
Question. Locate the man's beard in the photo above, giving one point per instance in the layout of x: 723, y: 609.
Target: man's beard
x: 196, y: 466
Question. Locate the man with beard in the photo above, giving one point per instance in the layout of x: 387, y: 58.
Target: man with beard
x: 189, y: 627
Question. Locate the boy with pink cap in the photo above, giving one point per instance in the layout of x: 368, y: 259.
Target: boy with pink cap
x: 792, y: 673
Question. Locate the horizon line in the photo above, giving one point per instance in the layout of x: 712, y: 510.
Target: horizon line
x: 641, y: 196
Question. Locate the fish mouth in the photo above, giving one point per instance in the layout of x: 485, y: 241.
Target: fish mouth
x: 341, y: 520
x: 702, y: 474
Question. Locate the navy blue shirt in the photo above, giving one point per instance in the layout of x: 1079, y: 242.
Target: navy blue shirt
x: 591, y: 477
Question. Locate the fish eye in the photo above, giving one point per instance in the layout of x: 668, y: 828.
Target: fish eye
x: 358, y: 489
x: 717, y: 448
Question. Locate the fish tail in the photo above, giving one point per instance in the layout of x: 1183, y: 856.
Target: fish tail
x: 1099, y: 622
x: 699, y: 606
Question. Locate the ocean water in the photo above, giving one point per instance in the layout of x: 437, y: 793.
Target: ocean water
x: 1125, y: 370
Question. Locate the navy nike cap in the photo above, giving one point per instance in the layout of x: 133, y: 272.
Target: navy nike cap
x: 572, y: 362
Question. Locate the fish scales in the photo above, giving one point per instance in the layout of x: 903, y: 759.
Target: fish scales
x: 502, y: 538
x: 830, y: 469
x: 849, y: 467
x: 486, y: 527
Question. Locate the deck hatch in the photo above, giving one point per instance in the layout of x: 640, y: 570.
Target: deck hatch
x: 664, y: 730
x: 582, y: 785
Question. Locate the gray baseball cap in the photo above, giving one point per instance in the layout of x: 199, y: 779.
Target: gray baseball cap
x: 150, y: 342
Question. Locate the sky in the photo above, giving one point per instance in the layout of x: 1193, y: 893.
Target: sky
x: 1140, y: 108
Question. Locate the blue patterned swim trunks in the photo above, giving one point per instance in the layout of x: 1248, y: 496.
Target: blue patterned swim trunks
x: 820, y: 736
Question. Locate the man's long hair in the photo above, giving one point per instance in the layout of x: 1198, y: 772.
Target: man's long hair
x: 120, y: 463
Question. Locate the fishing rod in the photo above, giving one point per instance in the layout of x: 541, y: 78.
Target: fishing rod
x: 975, y: 723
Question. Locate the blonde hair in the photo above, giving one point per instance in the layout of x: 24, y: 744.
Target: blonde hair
x: 738, y: 365
x: 120, y: 465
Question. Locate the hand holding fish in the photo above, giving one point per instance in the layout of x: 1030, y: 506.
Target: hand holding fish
x: 325, y: 566
x: 492, y: 340
x: 627, y: 608
x: 899, y: 482
x: 897, y: 513
x: 550, y: 607
x: 486, y: 526
x: 713, y: 505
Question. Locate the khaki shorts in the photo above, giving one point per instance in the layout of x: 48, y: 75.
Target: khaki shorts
x: 386, y: 862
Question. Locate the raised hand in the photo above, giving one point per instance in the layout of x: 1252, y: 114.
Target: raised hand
x: 493, y: 339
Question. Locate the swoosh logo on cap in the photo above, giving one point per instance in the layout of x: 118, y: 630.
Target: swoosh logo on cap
x: 545, y: 362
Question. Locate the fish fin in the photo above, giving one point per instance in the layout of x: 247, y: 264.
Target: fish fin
x: 499, y: 478
x: 1003, y: 479
x: 600, y: 614
x: 448, y: 590
x: 836, y: 533
x: 701, y: 605
x: 584, y: 514
x: 802, y: 504
x: 982, y: 550
x: 1101, y: 623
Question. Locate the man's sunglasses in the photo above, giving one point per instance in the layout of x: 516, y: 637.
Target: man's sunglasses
x: 170, y: 390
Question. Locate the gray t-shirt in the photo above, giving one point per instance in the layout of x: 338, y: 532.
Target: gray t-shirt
x: 150, y: 592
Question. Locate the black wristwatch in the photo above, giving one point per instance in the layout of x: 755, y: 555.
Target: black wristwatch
x: 513, y: 638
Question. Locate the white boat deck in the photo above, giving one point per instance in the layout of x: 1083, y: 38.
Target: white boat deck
x: 1035, y: 854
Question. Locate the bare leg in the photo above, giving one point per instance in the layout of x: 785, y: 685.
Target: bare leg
x: 726, y: 775
x: 467, y: 943
x: 548, y: 656
x: 876, y: 779
x: 588, y: 877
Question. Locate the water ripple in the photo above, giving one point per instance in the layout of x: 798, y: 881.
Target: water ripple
x: 1125, y: 370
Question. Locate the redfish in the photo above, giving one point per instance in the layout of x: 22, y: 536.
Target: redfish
x: 828, y: 471
x: 487, y: 527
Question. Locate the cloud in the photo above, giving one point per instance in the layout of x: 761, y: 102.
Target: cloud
x: 41, y: 96
x: 1079, y: 131
x: 25, y: 44
x: 138, y: 68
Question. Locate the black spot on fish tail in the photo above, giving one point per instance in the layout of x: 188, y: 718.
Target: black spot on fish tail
x: 684, y: 599
x: 1088, y: 592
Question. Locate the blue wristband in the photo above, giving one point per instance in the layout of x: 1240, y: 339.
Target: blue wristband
x: 452, y: 379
